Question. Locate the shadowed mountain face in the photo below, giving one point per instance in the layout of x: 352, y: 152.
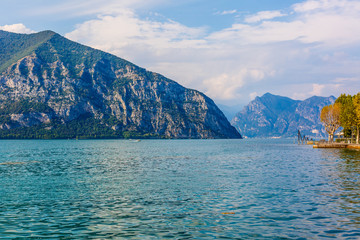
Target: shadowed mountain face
x: 51, y: 87
x: 276, y: 116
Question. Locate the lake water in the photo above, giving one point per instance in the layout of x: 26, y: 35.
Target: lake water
x: 177, y: 189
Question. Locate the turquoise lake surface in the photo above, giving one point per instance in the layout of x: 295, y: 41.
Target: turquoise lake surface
x: 177, y: 189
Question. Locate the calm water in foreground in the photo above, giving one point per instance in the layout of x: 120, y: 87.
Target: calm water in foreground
x: 177, y: 189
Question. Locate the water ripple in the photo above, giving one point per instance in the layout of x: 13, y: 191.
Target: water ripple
x: 177, y: 189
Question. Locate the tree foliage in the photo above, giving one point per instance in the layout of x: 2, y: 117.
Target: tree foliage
x: 330, y: 117
x: 356, y: 103
x: 348, y: 119
x: 349, y: 114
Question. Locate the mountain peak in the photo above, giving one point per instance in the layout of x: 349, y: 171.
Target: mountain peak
x: 272, y: 115
x: 268, y: 95
x: 52, y: 87
x: 14, y: 46
x: 45, y: 33
x: 273, y: 96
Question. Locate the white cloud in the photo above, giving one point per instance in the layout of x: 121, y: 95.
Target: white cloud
x: 119, y: 33
x: 315, y: 5
x: 330, y: 25
x: 226, y: 86
x: 317, y: 89
x: 227, y: 12
x: 307, y: 6
x: 264, y: 15
x: 16, y: 28
x: 91, y: 7
x: 303, y: 91
x: 315, y: 131
x: 312, y: 46
x: 347, y: 79
x: 253, y: 95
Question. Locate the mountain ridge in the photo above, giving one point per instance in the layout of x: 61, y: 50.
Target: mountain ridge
x: 277, y: 116
x: 52, y: 84
x: 22, y: 50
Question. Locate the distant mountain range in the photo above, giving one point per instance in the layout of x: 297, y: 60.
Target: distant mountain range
x: 51, y: 87
x: 277, y: 116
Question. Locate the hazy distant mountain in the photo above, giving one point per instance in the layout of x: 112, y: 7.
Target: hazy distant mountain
x: 277, y: 116
x: 51, y: 87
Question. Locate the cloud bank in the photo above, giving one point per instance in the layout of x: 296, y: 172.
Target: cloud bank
x: 308, y: 48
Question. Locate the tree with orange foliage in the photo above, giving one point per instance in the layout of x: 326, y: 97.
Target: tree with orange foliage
x: 330, y: 117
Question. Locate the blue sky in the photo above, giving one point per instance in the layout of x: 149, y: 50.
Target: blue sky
x: 232, y: 50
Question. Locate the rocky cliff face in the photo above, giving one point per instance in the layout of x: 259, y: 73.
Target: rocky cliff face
x: 276, y: 116
x: 50, y: 84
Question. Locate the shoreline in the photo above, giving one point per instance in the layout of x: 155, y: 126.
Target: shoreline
x: 337, y: 145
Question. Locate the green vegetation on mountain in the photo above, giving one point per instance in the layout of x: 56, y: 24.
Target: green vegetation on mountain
x: 84, y: 127
x: 23, y: 106
x: 16, y: 46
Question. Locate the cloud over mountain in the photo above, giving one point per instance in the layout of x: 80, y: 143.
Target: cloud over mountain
x: 230, y: 62
x: 294, y: 50
x: 16, y: 28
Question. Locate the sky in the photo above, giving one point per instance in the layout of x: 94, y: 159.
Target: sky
x: 231, y: 50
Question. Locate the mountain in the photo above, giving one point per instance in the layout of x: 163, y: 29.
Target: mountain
x: 51, y: 87
x: 277, y: 116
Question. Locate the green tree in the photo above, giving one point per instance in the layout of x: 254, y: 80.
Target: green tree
x: 356, y: 103
x: 330, y: 117
x: 348, y: 118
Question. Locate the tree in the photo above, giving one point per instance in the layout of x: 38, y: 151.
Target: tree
x: 348, y: 118
x: 356, y: 103
x: 330, y: 116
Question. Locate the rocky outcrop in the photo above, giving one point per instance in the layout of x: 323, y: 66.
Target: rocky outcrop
x: 55, y: 80
x: 277, y: 116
